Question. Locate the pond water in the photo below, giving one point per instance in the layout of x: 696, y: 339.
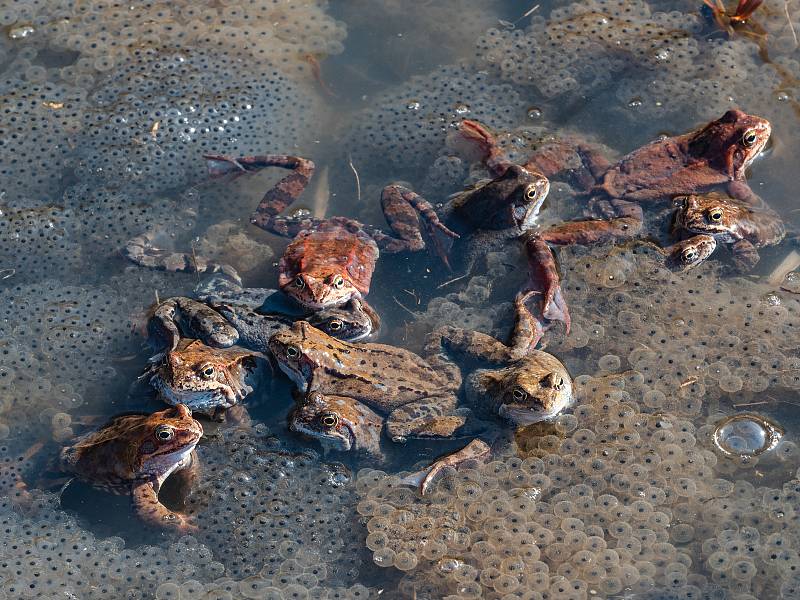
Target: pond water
x: 635, y: 490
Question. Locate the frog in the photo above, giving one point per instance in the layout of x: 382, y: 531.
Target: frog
x: 729, y: 221
x: 208, y: 380
x: 340, y: 423
x: 415, y: 396
x: 713, y: 157
x: 134, y: 454
x: 226, y: 314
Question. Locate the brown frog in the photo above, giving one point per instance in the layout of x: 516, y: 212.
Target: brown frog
x: 716, y: 156
x: 339, y: 423
x: 207, y: 380
x: 416, y: 396
x: 746, y: 227
x: 135, y: 454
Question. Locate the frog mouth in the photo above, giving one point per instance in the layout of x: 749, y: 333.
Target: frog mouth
x: 343, y: 441
x: 522, y: 416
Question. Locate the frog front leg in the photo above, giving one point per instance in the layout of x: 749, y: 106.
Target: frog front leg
x: 745, y: 255
x: 433, y: 417
x: 543, y: 280
x: 183, y: 317
x: 155, y: 514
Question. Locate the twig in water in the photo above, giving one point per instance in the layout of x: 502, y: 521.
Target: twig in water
x: 358, y: 180
x: 157, y: 300
x: 403, y: 306
x: 789, y: 20
x: 441, y: 285
x: 194, y: 260
x: 413, y: 295
x: 750, y: 404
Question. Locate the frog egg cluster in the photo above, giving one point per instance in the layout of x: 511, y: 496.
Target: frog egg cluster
x: 54, y: 557
x: 406, y: 129
x: 39, y: 117
x: 153, y: 141
x: 104, y: 34
x: 552, y: 516
x: 274, y: 518
x: 583, y: 45
x: 697, y: 339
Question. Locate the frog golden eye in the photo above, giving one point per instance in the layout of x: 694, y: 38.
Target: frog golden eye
x: 329, y: 420
x: 715, y: 215
x: 207, y: 371
x: 164, y: 433
x: 299, y: 282
x: 519, y: 394
x: 749, y: 138
x: 689, y: 255
x: 532, y: 192
x: 292, y: 351
x: 335, y: 325
x: 338, y: 282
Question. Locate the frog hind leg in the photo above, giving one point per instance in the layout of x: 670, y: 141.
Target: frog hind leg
x: 486, y: 144
x: 143, y: 251
x: 155, y: 514
x: 745, y: 255
x: 277, y: 198
x: 476, y: 450
x: 410, y: 216
x: 543, y: 280
x: 433, y: 417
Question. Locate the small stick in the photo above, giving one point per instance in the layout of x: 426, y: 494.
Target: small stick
x: 750, y: 404
x: 358, y: 180
x: 403, y: 306
x: 789, y: 20
x: 194, y: 260
x: 441, y: 285
x: 788, y: 264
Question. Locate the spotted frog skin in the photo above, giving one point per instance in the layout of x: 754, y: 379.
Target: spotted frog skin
x: 207, y: 380
x: 729, y: 221
x: 339, y: 423
x: 227, y: 314
x: 135, y: 454
x: 416, y: 396
x: 714, y: 157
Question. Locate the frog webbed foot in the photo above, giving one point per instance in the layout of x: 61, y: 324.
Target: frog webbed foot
x: 428, y: 418
x: 476, y: 451
x: 410, y: 216
x: 142, y: 251
x: 155, y: 514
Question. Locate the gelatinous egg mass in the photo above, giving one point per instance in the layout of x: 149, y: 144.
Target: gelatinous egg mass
x: 747, y: 435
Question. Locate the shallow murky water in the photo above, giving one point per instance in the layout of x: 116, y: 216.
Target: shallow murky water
x: 640, y: 489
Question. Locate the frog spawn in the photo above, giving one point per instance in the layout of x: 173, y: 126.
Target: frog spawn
x: 552, y: 518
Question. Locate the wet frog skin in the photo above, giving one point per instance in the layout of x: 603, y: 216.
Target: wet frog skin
x: 729, y: 221
x: 207, y: 380
x: 416, y: 396
x: 339, y: 423
x: 135, y: 454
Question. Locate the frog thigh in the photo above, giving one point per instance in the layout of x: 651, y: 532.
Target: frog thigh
x: 155, y: 514
x: 745, y: 255
x: 435, y: 416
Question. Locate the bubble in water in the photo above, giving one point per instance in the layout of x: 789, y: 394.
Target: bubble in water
x: 747, y: 435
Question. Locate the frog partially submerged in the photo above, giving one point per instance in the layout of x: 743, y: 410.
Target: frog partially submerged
x: 135, y: 454
x: 746, y: 227
x: 207, y: 380
x: 714, y: 157
x: 416, y: 396
x: 226, y: 314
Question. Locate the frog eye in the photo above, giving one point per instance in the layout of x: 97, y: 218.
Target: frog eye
x: 749, y: 138
x: 519, y: 394
x: 689, y: 254
x: 207, y: 371
x: 335, y: 325
x: 292, y: 351
x: 715, y: 215
x: 329, y: 420
x: 164, y: 433
x: 299, y: 282
x: 532, y: 191
x: 338, y: 282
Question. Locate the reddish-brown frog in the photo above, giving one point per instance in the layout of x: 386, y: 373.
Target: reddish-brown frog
x: 729, y: 221
x: 135, y: 454
x: 715, y: 156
